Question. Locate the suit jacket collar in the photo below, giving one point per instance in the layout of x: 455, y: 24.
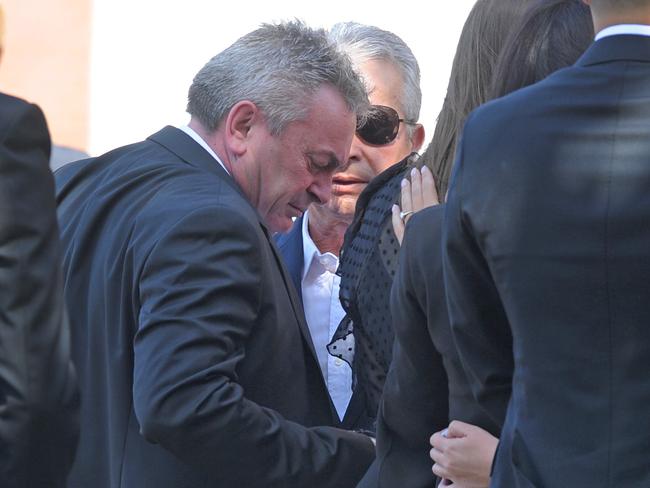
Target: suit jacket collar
x: 617, y: 48
x: 187, y: 149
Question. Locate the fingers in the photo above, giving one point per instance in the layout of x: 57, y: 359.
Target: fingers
x: 420, y: 192
x: 398, y: 224
x: 417, y: 201
x: 439, y: 471
x: 429, y: 192
x: 445, y: 458
x: 440, y: 444
x: 416, y: 194
x: 436, y: 455
x: 459, y: 429
x: 440, y: 440
x: 406, y: 197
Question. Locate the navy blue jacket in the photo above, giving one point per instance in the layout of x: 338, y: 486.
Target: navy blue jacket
x: 546, y: 264
x: 196, y: 365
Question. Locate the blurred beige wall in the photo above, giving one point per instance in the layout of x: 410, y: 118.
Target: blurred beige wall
x: 46, y: 60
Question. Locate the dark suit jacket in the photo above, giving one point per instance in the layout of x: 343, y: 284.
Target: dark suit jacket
x: 291, y: 248
x: 38, y: 397
x: 547, y: 264
x: 196, y: 366
x: 426, y: 386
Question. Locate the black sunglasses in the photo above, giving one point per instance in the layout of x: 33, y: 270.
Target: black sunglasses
x: 379, y: 125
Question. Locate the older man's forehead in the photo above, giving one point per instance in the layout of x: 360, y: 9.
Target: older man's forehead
x: 383, y: 78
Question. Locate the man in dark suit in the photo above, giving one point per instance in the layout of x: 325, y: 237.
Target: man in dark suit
x: 197, y: 368
x: 547, y: 263
x: 38, y: 396
x: 311, y: 248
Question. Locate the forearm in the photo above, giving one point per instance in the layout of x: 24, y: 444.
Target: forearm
x: 238, y: 442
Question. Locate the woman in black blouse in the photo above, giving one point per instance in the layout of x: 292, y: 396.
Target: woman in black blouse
x: 368, y: 261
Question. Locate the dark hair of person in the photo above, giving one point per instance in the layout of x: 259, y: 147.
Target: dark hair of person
x: 480, y: 43
x: 553, y: 34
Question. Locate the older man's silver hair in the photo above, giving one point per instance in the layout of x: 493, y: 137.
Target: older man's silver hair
x: 277, y: 67
x: 364, y: 43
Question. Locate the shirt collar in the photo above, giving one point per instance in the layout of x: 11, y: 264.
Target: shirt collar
x: 620, y: 29
x: 192, y: 133
x: 328, y: 261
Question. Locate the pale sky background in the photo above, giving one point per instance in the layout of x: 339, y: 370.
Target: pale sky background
x: 144, y: 53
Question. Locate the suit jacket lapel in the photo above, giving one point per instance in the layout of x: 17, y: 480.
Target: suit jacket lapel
x: 355, y: 409
x: 293, y: 296
x: 179, y: 143
x: 290, y: 246
x: 300, y: 317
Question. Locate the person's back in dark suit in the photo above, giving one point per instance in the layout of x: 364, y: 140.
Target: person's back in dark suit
x: 546, y: 269
x: 38, y: 395
x: 196, y: 366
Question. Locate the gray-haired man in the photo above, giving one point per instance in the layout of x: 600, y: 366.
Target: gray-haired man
x: 311, y: 249
x: 196, y: 365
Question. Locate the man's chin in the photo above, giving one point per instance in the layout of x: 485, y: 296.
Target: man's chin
x: 279, y: 224
x: 336, y: 209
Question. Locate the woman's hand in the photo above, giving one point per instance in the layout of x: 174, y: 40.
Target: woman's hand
x: 417, y: 194
x: 463, y: 455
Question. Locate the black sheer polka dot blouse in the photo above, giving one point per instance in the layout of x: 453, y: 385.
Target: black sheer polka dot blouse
x: 367, y: 266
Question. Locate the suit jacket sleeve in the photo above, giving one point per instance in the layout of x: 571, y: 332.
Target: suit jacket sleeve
x: 38, y: 398
x: 479, y: 324
x: 200, y: 297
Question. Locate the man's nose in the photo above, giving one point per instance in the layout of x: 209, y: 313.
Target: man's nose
x: 355, y: 150
x: 321, y: 188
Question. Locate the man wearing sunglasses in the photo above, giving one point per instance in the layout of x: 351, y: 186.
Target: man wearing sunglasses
x: 385, y: 135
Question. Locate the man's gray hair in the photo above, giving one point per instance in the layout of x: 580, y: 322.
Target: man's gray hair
x: 364, y: 43
x: 277, y: 67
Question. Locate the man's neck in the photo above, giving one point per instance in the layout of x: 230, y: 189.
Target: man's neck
x: 327, y: 229
x: 213, y: 142
x: 603, y: 20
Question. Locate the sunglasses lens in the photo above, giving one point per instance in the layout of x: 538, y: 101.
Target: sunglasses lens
x: 379, y: 125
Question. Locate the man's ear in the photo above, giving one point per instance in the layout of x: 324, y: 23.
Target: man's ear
x: 417, y: 139
x: 239, y: 122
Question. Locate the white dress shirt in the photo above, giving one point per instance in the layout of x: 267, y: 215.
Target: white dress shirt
x: 617, y: 30
x: 323, y: 311
x: 192, y: 133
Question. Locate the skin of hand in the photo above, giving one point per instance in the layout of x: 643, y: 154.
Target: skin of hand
x: 416, y: 194
x: 463, y: 458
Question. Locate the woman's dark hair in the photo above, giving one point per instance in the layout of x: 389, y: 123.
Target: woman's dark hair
x: 481, y: 40
x: 553, y: 34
